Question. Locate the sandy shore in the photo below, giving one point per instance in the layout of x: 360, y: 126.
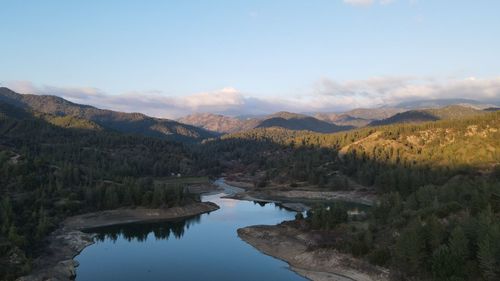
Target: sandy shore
x: 124, y: 216
x: 355, y: 196
x: 285, y: 195
x: 297, y: 248
x: 291, y: 199
x: 68, y: 241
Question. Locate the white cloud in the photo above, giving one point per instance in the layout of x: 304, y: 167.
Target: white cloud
x: 223, y: 98
x: 152, y: 103
x: 391, y: 90
x: 325, y: 95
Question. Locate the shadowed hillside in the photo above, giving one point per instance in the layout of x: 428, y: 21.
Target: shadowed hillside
x: 132, y: 123
x: 53, y: 166
x: 218, y: 123
x: 432, y: 114
x: 437, y: 184
x: 287, y: 120
x: 300, y: 122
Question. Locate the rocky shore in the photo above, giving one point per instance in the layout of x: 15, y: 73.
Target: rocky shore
x: 293, y: 197
x: 318, y: 264
x: 284, y: 194
x: 56, y: 263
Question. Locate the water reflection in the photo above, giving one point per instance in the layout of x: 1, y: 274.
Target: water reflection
x: 205, y: 247
x: 139, y: 231
x: 262, y: 204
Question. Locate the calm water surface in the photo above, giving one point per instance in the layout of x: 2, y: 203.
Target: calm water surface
x: 205, y: 247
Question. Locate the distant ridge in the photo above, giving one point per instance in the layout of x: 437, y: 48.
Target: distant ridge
x: 491, y: 109
x: 132, y: 123
x: 359, y: 117
x: 431, y: 114
x: 299, y: 122
x: 218, y: 123
x: 286, y: 120
x: 436, y: 103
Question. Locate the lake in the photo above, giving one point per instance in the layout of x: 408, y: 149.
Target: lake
x: 205, y: 247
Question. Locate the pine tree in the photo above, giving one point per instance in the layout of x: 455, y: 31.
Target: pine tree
x: 111, y: 198
x: 486, y: 258
x: 5, y: 215
x: 42, y: 224
x: 409, y: 249
x: 459, y: 250
x: 442, y: 266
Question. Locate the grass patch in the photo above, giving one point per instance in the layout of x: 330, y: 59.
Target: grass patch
x: 182, y: 180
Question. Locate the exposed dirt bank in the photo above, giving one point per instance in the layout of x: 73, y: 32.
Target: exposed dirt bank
x: 68, y: 241
x: 297, y: 247
x: 276, y: 192
x: 202, y: 188
x: 240, y: 184
x: 362, y: 197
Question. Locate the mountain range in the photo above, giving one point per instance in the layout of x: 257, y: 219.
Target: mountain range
x: 132, y: 123
x: 330, y: 122
x: 287, y: 120
x: 436, y: 103
x: 196, y: 127
x: 430, y: 114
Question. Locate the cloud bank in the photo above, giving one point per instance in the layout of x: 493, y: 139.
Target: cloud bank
x: 325, y: 95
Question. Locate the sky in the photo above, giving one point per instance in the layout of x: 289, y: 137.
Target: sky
x: 171, y: 58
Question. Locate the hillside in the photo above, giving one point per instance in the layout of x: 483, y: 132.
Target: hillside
x: 374, y: 113
x: 53, y: 166
x: 411, y: 116
x: 287, y: 120
x: 132, y: 123
x: 359, y: 117
x: 438, y: 188
x: 436, y: 103
x: 218, y: 123
x: 432, y: 114
x: 298, y: 122
x: 343, y: 119
x: 445, y: 144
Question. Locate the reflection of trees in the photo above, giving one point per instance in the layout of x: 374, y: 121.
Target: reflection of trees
x: 140, y: 231
x: 262, y: 204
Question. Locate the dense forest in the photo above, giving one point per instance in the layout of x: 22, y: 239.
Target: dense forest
x: 437, y: 217
x: 50, y: 170
x: 56, y: 109
x: 438, y: 184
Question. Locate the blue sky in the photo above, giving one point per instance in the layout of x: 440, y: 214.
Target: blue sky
x: 177, y: 57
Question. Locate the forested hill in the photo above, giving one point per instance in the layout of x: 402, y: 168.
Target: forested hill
x: 286, y: 120
x: 359, y: 117
x: 219, y: 123
x: 432, y: 114
x: 438, y: 186
x: 51, y: 168
x: 132, y: 123
x: 298, y: 122
x: 455, y: 143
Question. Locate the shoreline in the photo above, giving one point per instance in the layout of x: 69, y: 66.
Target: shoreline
x: 296, y: 247
x: 318, y: 264
x: 74, y: 235
x: 57, y: 261
x: 296, y: 200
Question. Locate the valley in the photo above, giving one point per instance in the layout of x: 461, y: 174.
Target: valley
x: 383, y: 201
x: 222, y: 140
